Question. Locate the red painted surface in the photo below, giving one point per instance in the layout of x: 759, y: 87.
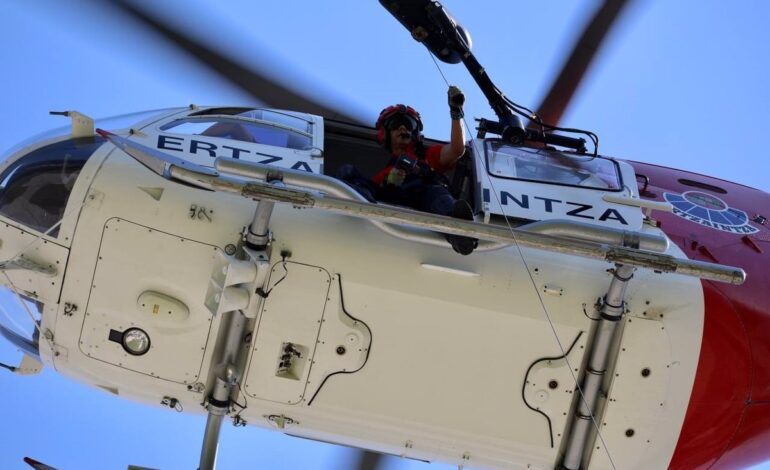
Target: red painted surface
x: 750, y: 445
x: 722, y: 385
x: 727, y: 424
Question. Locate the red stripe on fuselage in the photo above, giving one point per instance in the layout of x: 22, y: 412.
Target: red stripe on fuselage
x: 727, y: 424
x: 722, y: 385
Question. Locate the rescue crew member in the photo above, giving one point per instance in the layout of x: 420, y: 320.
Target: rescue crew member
x: 414, y: 177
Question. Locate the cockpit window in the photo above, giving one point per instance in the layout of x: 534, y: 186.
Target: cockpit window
x: 552, y: 167
x: 248, y: 125
x: 35, y: 188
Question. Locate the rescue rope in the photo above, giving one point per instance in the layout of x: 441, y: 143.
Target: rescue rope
x: 532, y: 280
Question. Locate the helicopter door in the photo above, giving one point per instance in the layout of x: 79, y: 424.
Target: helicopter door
x: 545, y: 184
x: 34, y: 190
x: 146, y: 309
x: 287, y: 333
x: 280, y: 138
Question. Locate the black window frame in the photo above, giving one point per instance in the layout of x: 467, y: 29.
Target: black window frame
x: 41, y: 208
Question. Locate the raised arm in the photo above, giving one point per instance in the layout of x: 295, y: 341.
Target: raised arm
x: 452, y: 151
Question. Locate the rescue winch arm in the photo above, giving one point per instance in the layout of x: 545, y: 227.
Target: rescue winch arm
x: 430, y: 24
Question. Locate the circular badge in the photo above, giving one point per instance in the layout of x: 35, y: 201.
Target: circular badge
x: 709, y: 211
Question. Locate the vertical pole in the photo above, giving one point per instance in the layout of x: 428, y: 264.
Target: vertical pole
x: 226, y: 376
x: 220, y: 395
x: 611, y: 313
x: 258, y: 234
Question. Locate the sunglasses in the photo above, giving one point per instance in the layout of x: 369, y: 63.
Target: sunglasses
x: 401, y: 120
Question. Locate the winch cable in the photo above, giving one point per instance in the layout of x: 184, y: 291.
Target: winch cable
x: 532, y: 281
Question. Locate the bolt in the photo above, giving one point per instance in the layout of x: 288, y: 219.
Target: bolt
x: 553, y: 384
x: 646, y: 372
x: 341, y: 350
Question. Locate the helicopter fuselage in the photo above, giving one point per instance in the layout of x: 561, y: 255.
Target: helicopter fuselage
x: 349, y: 334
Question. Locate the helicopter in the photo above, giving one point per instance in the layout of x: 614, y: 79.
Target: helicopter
x: 509, y: 199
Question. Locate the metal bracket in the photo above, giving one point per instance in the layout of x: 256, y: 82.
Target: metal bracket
x: 82, y: 125
x: 29, y: 366
x: 280, y: 421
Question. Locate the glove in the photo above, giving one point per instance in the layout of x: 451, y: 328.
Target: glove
x: 396, y: 177
x: 456, y: 100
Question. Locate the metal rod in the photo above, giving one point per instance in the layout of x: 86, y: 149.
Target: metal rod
x: 615, y: 254
x: 584, y: 418
x: 204, y: 177
x: 258, y: 230
x: 226, y: 375
x: 335, y: 187
x: 218, y: 404
x: 211, y: 442
x: 594, y: 233
x: 259, y: 233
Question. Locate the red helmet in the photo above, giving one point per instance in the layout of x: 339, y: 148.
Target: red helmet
x: 394, y: 116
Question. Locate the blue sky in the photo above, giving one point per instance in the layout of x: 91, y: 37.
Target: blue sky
x: 680, y: 83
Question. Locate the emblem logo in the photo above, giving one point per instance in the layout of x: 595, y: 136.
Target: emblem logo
x: 709, y: 211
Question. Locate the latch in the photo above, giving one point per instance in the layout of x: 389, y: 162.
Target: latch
x: 172, y: 403
x: 280, y: 421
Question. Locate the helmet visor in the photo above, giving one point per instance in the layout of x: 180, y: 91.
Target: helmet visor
x: 400, y: 119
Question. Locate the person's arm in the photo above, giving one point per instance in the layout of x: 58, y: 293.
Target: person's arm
x: 455, y: 149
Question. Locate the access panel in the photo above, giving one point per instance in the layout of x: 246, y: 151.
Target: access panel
x: 146, y: 310
x: 287, y: 333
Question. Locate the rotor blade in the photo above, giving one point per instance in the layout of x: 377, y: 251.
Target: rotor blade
x: 559, y: 96
x: 368, y: 461
x: 260, y: 86
x: 37, y: 465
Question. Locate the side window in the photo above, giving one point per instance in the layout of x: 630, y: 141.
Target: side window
x: 244, y: 131
x: 547, y: 166
x: 35, y: 188
x: 261, y: 126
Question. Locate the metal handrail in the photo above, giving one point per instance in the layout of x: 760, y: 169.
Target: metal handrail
x: 589, y: 249
x: 337, y: 188
x: 203, y: 177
